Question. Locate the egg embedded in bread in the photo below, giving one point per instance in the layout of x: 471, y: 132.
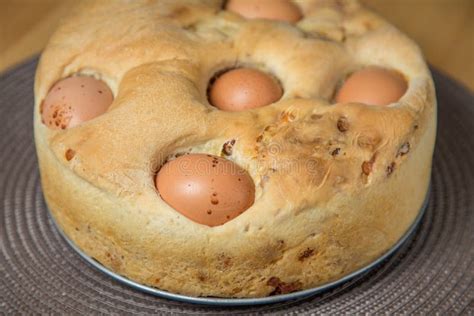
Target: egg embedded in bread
x: 243, y: 89
x: 207, y: 189
x: 373, y: 86
x: 330, y: 180
x: 74, y: 100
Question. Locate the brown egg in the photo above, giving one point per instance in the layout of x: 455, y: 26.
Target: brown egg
x: 207, y: 189
x: 244, y: 88
x: 281, y: 10
x: 74, y: 100
x: 374, y: 86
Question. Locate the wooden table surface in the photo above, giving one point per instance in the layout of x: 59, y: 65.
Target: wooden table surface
x: 443, y: 28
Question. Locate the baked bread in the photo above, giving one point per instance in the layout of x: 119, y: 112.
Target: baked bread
x: 336, y: 184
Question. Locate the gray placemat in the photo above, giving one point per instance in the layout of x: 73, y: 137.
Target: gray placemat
x: 433, y: 272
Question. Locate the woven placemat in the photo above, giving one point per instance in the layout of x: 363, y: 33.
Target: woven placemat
x: 432, y: 272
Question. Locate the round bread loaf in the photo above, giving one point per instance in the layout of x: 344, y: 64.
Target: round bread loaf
x: 336, y: 184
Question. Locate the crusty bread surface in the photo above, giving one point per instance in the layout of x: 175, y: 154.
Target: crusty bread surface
x: 337, y: 185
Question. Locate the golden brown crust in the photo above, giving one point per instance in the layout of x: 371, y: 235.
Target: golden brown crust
x: 337, y: 185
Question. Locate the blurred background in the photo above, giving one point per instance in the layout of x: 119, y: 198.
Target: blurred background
x: 443, y: 28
